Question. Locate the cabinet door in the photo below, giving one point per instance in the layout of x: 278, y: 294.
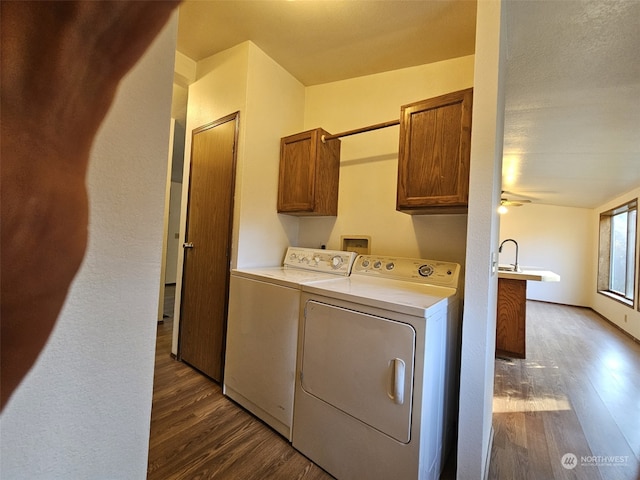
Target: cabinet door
x: 433, y: 163
x: 297, y: 172
x: 309, y: 174
x: 511, y: 320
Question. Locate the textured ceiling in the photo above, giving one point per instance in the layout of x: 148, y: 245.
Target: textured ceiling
x: 572, y: 122
x: 572, y: 115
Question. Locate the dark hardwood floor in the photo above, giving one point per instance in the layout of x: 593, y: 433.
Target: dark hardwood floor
x: 197, y: 433
x: 576, y: 396
x: 577, y: 392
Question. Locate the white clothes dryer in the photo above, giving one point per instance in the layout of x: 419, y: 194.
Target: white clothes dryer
x: 262, y: 331
x: 376, y: 384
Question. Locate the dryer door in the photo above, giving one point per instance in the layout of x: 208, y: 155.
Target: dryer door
x: 360, y: 364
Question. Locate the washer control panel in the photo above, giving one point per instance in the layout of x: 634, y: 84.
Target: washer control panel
x: 331, y: 261
x: 408, y: 269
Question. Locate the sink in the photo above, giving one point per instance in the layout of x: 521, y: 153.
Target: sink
x: 507, y: 268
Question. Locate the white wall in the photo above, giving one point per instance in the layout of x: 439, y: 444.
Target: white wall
x: 218, y: 91
x: 174, y: 248
x: 369, y: 162
x: 610, y: 309
x: 552, y: 238
x: 479, y: 321
x: 271, y: 104
x: 275, y: 106
x: 84, y: 409
x: 565, y: 240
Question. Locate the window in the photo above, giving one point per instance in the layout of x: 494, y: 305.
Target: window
x: 617, y: 253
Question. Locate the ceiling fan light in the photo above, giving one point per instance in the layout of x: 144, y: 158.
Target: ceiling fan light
x: 502, y: 209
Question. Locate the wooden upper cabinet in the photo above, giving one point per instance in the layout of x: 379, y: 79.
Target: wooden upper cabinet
x: 309, y: 174
x: 433, y: 162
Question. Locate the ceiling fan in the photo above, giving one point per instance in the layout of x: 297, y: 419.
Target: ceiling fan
x: 513, y: 203
x: 506, y: 199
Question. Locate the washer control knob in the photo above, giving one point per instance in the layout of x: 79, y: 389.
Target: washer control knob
x: 336, y: 261
x: 365, y: 263
x: 390, y: 266
x: 425, y: 270
x: 377, y: 264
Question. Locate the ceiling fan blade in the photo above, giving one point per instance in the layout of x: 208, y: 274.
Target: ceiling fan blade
x: 513, y: 203
x: 518, y: 195
x: 506, y: 201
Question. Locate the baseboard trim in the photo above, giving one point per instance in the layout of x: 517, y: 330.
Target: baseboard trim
x: 594, y: 311
x: 618, y: 327
x: 487, y: 461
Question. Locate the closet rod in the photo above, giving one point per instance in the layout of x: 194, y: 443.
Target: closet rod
x: 378, y: 126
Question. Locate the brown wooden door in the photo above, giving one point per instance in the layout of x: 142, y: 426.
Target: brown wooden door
x: 205, y: 280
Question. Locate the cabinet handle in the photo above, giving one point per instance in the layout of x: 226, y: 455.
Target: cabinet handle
x: 187, y: 245
x: 398, y: 381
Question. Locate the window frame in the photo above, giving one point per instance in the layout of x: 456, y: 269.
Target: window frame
x: 605, y: 249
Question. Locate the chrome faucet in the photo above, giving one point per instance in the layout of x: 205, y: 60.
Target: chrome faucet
x: 516, y: 268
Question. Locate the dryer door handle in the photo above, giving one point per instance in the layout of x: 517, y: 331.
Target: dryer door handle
x: 398, y: 381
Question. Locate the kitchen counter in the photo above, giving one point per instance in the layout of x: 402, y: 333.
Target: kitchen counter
x: 530, y: 274
x: 511, y: 326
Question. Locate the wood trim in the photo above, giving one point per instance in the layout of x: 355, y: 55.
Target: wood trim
x: 616, y: 298
x: 636, y: 340
x: 487, y: 461
x: 511, y: 323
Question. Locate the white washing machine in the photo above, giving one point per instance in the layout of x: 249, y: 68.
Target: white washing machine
x: 376, y: 384
x: 262, y: 331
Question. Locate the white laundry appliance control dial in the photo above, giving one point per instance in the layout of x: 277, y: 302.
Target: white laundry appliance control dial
x: 319, y: 260
x: 425, y: 270
x: 418, y: 270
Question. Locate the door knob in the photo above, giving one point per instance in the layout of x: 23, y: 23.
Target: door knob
x: 187, y: 245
